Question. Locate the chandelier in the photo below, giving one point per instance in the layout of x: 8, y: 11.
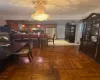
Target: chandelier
x: 40, y: 14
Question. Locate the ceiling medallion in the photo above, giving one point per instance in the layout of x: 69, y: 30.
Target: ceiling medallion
x: 40, y: 14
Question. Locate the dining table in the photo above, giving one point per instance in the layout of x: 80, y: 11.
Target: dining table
x: 16, y: 46
x: 35, y: 37
x: 8, y: 49
x: 6, y: 53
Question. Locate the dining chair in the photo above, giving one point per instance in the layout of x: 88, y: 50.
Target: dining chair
x: 31, y: 47
x: 35, y: 39
x: 26, y: 51
x: 43, y: 40
x: 51, y: 39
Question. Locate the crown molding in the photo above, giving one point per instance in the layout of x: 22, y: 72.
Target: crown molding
x: 52, y: 17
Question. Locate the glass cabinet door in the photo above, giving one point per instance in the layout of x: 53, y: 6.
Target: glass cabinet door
x: 95, y: 28
x: 87, y: 31
x: 95, y: 31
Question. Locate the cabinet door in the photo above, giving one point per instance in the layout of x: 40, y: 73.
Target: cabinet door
x: 72, y: 33
x: 95, y: 32
x: 67, y: 31
x: 87, y: 32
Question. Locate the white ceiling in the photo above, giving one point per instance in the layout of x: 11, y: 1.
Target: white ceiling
x: 57, y: 9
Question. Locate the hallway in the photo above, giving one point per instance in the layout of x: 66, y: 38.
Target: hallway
x: 54, y: 63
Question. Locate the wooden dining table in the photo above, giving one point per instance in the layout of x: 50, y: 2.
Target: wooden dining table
x: 6, y: 53
x: 16, y: 46
x: 28, y: 36
x: 10, y: 49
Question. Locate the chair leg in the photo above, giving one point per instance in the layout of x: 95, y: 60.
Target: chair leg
x: 53, y: 42
x: 47, y: 42
x: 29, y: 58
x: 31, y: 54
x: 40, y: 43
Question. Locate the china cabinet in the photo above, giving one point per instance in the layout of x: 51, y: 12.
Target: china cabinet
x: 90, y: 41
x: 70, y: 32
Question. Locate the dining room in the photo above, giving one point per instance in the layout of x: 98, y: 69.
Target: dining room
x: 19, y: 39
x: 49, y: 39
x: 27, y: 28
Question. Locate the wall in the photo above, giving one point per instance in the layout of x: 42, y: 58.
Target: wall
x: 2, y: 22
x: 60, y: 31
x: 78, y: 33
x: 13, y: 25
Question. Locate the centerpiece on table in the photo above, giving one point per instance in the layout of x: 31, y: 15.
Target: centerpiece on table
x: 4, y: 41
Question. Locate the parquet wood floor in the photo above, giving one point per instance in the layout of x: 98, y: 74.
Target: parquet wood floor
x: 54, y: 63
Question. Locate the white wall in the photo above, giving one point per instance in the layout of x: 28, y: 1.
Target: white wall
x: 2, y: 22
x: 78, y: 33
x: 60, y: 31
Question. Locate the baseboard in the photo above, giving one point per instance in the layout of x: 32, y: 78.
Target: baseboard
x: 60, y: 39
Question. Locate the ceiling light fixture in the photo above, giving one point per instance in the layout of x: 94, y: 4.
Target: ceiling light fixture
x: 40, y: 14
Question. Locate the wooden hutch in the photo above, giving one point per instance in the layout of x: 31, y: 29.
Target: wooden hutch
x: 70, y: 32
x: 90, y: 41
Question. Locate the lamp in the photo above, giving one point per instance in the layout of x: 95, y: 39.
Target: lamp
x: 40, y: 14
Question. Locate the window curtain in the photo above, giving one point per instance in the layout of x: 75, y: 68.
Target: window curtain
x: 51, y: 31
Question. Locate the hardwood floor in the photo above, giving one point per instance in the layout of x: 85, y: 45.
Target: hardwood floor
x: 54, y: 63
